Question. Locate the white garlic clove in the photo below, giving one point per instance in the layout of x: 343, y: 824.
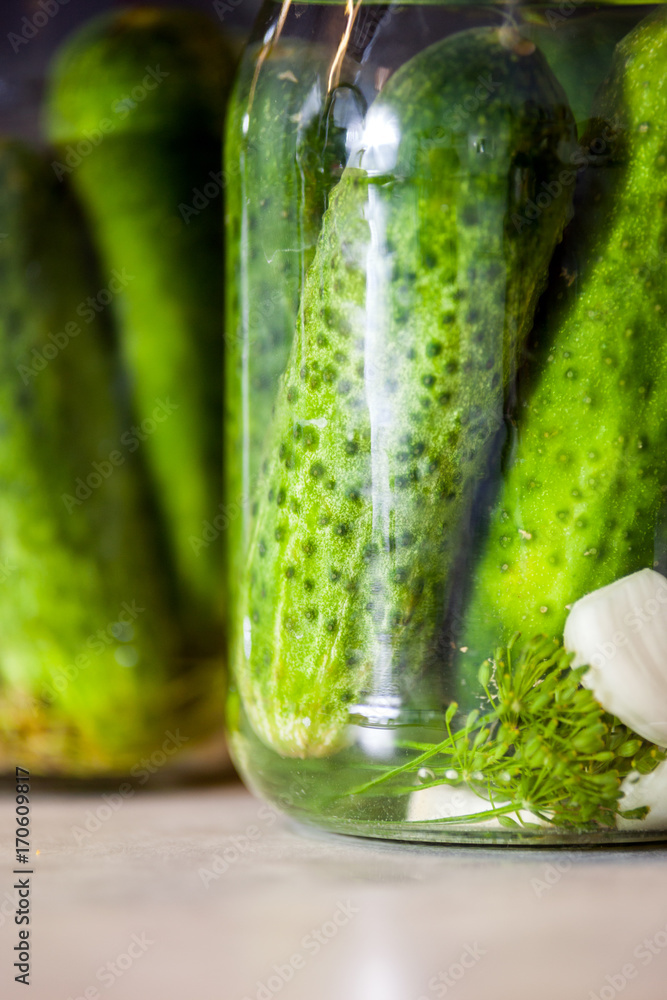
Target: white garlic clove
x: 645, y: 790
x: 620, y: 631
x: 448, y: 801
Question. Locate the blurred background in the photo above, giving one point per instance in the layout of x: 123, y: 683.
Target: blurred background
x: 22, y: 73
x: 112, y: 606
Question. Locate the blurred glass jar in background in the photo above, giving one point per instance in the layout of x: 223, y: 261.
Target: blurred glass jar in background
x: 445, y: 419
x: 111, y: 589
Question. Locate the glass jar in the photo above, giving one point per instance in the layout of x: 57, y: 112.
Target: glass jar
x: 446, y: 430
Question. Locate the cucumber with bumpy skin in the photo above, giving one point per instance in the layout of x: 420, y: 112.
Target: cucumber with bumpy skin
x: 141, y: 95
x: 88, y: 652
x: 580, y: 500
x: 419, y: 299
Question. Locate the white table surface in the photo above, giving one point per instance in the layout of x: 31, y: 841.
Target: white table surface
x: 392, y: 919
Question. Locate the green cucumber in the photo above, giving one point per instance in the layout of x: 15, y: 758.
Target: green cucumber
x: 415, y: 308
x: 87, y: 658
x: 588, y: 473
x: 136, y: 107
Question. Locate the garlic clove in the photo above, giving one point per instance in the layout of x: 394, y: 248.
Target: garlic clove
x: 620, y: 631
x: 645, y: 790
x: 448, y: 801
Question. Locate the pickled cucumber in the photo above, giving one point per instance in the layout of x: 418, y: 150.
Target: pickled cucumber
x: 88, y: 652
x: 136, y: 108
x: 587, y: 477
x: 420, y: 296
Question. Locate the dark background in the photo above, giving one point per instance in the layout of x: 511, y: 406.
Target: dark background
x: 22, y: 72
